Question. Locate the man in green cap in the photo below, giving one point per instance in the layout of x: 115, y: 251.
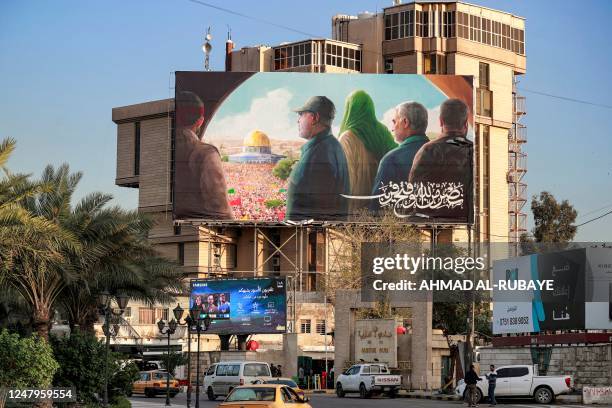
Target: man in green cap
x: 320, y: 177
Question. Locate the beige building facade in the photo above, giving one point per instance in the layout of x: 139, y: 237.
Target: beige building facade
x: 415, y: 38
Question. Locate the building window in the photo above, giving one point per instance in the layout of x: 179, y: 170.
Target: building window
x: 429, y: 63
x: 320, y: 326
x: 146, y: 315
x: 483, y: 75
x: 434, y: 64
x: 484, y: 102
x: 181, y: 253
x: 486, y: 140
x: 305, y: 326
x: 389, y: 66
x: 463, y: 25
x: 399, y: 25
x: 216, y: 255
x: 136, y: 148
x: 484, y: 96
x: 161, y: 314
x: 490, y: 32
x: 172, y: 154
x: 342, y: 57
x: 447, y: 24
x: 291, y: 56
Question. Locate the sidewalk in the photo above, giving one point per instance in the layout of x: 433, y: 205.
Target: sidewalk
x: 434, y: 395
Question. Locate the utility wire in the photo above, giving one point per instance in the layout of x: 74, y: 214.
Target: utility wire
x: 565, y: 98
x: 594, y: 211
x: 259, y: 20
x: 310, y: 35
x: 594, y: 219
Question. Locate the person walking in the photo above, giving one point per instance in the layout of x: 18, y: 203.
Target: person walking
x: 492, y: 377
x: 471, y: 379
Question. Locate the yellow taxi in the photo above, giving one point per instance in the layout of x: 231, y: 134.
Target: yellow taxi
x: 288, y: 382
x: 152, y: 383
x: 264, y: 396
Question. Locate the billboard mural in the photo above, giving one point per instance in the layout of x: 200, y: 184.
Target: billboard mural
x: 270, y: 147
x: 581, y: 295
x: 241, y: 306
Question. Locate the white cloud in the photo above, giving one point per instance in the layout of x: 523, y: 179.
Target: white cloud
x: 271, y: 114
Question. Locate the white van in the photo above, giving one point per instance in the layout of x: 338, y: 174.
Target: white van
x: 221, y: 378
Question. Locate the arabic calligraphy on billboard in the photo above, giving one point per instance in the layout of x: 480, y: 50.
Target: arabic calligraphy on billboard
x: 241, y: 306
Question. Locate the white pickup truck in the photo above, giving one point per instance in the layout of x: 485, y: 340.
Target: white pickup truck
x: 367, y: 380
x: 520, y: 381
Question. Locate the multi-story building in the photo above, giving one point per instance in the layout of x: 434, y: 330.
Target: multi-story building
x: 448, y: 37
x: 418, y: 38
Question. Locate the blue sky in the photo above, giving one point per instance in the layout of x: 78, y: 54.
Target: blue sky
x: 266, y: 101
x: 65, y: 64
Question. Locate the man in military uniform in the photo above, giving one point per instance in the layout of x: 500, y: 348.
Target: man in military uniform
x: 320, y: 177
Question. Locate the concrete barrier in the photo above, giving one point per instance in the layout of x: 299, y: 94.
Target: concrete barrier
x: 597, y: 395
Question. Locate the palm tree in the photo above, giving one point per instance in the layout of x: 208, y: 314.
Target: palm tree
x: 33, y: 245
x: 53, y: 254
x: 118, y: 258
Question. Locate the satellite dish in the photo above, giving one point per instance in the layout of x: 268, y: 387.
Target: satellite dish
x: 208, y: 37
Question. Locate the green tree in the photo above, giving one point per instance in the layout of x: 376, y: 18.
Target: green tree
x: 554, y: 221
x: 34, y: 245
x: 121, y: 382
x: 283, y: 168
x: 25, y: 362
x: 118, y: 258
x: 554, y: 224
x: 173, y: 360
x: 81, y: 359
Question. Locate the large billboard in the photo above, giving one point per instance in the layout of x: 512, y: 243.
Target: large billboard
x: 580, y: 297
x: 241, y: 306
x: 273, y: 147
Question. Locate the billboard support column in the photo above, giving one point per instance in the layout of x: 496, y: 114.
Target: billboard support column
x: 255, y: 251
x: 325, y: 299
x: 470, y: 328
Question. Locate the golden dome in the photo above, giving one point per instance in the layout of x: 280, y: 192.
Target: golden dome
x: 256, y: 138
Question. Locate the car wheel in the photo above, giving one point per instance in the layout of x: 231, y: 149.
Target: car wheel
x: 149, y: 393
x: 339, y: 391
x: 363, y: 392
x: 211, y: 394
x: 543, y: 395
x: 478, y: 395
x: 392, y: 393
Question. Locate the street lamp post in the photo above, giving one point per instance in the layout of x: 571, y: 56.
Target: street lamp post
x: 107, y: 311
x: 178, y: 315
x: 196, y: 317
x: 170, y: 328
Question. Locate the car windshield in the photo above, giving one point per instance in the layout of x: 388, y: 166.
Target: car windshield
x: 161, y: 376
x: 284, y: 382
x: 251, y: 394
x: 256, y: 370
